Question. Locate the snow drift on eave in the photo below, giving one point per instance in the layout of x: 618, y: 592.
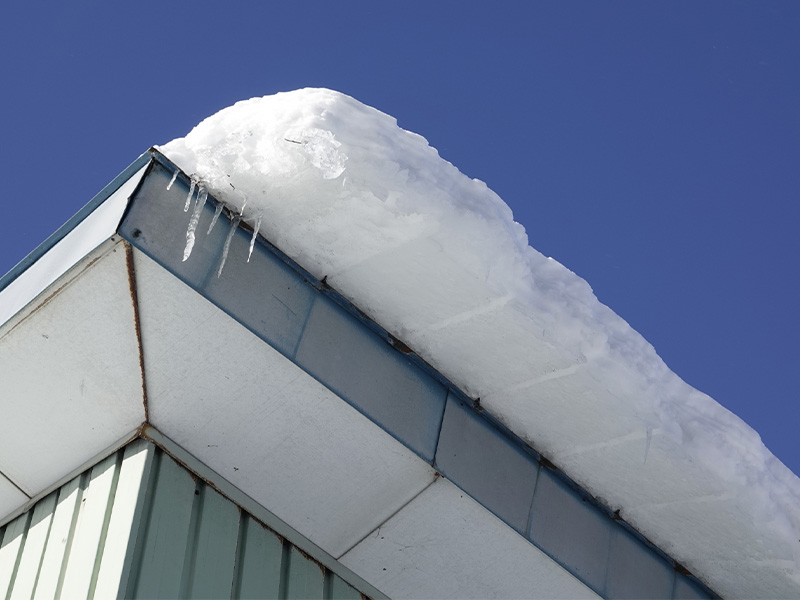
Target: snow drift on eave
x: 437, y: 259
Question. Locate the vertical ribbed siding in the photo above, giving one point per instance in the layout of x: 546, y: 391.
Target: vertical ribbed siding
x: 139, y: 525
x: 72, y: 543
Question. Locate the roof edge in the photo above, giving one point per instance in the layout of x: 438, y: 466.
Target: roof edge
x: 74, y: 221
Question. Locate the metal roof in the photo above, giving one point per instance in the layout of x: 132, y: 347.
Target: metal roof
x: 284, y: 389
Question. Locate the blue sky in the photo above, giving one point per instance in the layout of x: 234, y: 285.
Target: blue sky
x: 651, y: 147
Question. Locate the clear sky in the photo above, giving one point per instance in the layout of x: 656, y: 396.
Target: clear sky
x: 651, y: 147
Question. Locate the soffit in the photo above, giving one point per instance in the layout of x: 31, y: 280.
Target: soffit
x: 446, y: 545
x: 69, y: 363
x: 268, y: 427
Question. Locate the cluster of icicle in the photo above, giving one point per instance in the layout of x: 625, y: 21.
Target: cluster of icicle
x: 195, y: 183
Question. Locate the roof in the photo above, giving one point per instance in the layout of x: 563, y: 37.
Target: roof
x: 288, y: 390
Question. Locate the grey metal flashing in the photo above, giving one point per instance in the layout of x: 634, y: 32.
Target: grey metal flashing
x: 388, y: 389
x: 333, y: 341
x: 84, y: 212
x: 490, y: 467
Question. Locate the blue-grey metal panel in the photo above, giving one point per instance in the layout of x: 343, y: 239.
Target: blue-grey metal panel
x: 687, y: 589
x: 156, y: 224
x: 636, y: 571
x: 374, y: 377
x: 571, y: 529
x: 488, y: 466
x: 264, y: 294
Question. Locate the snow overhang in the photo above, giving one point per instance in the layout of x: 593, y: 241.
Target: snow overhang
x: 282, y: 386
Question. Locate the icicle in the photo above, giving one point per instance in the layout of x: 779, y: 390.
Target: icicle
x: 227, y: 245
x: 253, y: 239
x: 215, y: 217
x: 174, y: 177
x: 191, y: 193
x: 649, y: 438
x: 202, y: 194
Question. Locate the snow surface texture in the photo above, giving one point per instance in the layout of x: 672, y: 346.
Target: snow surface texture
x: 437, y: 259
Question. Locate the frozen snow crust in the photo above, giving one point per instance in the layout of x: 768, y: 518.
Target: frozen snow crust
x: 437, y: 259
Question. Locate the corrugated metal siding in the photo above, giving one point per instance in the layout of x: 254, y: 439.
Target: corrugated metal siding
x: 139, y: 525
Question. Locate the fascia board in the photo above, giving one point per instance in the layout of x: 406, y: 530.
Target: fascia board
x: 92, y: 225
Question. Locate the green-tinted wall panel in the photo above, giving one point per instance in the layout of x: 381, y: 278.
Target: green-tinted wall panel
x: 209, y: 568
x: 260, y: 556
x: 35, y: 543
x: 160, y: 558
x: 69, y: 540
x: 341, y: 590
x: 139, y: 525
x: 11, y: 544
x: 305, y: 579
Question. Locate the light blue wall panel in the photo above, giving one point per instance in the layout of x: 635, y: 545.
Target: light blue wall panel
x: 59, y: 540
x: 160, y: 556
x: 65, y: 537
x: 341, y: 590
x: 305, y: 578
x: 260, y: 556
x: 211, y: 552
x: 186, y: 540
x: 12, y: 543
x: 210, y: 548
x: 33, y: 551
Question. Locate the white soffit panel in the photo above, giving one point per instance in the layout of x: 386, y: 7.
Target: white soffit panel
x: 69, y: 364
x: 85, y: 237
x: 264, y: 424
x: 445, y: 545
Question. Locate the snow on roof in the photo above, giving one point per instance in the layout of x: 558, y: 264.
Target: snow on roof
x: 437, y: 259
